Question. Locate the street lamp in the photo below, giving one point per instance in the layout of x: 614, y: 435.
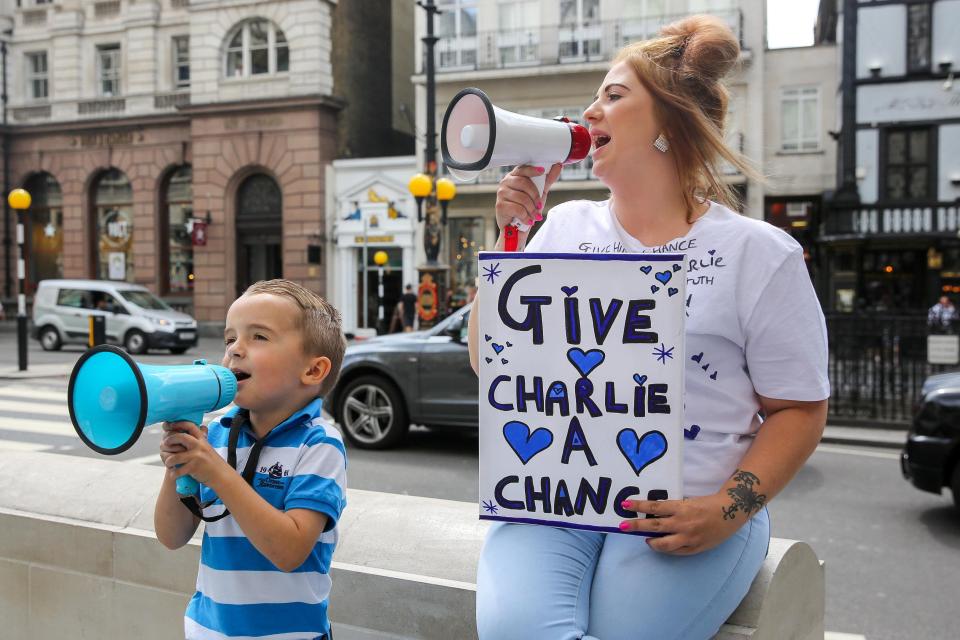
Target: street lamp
x: 380, y: 258
x: 446, y: 191
x: 19, y: 200
x: 420, y: 186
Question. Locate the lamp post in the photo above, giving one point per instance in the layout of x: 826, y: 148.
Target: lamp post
x: 380, y: 258
x: 19, y: 200
x: 446, y: 191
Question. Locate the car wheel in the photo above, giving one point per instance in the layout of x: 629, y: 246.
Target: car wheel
x: 955, y: 484
x: 178, y: 350
x: 135, y: 342
x: 50, y: 339
x: 372, y: 413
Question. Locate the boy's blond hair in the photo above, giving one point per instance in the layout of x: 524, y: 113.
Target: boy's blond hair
x: 319, y: 323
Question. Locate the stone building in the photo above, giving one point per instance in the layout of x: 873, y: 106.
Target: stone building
x: 181, y: 144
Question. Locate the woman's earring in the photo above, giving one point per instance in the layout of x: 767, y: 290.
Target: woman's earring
x: 661, y: 144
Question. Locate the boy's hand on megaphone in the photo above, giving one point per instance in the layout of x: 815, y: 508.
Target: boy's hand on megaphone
x: 518, y: 196
x: 186, y: 452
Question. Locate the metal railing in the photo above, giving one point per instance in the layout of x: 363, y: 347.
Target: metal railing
x: 877, y: 366
x: 555, y: 44
x: 105, y: 105
x: 893, y: 218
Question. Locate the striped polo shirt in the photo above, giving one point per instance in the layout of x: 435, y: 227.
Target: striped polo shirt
x: 240, y: 593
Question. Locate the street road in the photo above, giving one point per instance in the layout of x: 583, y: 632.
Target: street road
x: 892, y: 553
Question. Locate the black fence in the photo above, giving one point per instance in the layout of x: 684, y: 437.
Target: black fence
x: 877, y: 365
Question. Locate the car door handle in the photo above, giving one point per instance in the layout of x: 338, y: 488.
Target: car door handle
x: 411, y: 359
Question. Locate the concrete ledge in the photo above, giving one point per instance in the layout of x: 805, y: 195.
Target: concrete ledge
x: 78, y: 558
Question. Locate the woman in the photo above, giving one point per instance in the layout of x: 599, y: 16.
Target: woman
x: 755, y: 339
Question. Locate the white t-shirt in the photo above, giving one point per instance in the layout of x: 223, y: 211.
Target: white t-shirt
x: 753, y: 327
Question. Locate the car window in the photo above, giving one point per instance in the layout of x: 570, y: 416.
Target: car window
x: 145, y: 300
x: 77, y: 298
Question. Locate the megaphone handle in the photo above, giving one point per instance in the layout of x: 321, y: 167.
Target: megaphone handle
x: 187, y: 485
x: 510, y: 235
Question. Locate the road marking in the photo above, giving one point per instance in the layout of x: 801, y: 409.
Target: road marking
x: 836, y: 635
x: 886, y: 455
x: 13, y: 445
x: 47, y: 427
x: 20, y: 391
x: 35, y: 408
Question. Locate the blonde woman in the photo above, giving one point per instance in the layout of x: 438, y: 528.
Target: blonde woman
x: 755, y: 342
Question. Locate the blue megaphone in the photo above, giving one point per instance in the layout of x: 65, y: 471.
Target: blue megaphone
x: 112, y: 398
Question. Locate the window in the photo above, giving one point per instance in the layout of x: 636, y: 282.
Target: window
x: 113, y: 211
x: 457, y: 30
x: 38, y: 83
x: 579, y: 28
x: 800, y: 119
x: 108, y: 70
x: 519, y: 37
x: 178, y: 202
x: 909, y: 169
x: 181, y: 62
x: 918, y: 37
x: 256, y: 47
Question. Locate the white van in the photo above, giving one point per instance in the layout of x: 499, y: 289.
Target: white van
x: 135, y: 318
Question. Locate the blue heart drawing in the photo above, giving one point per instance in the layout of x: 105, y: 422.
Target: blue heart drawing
x: 557, y: 391
x: 504, y: 360
x: 487, y: 338
x: 497, y: 347
x: 585, y: 361
x: 654, y: 288
x: 672, y: 292
x: 509, y: 345
x: 663, y: 276
x: 692, y: 432
x: 639, y: 379
x: 647, y: 269
x: 489, y: 360
x: 676, y: 268
x: 569, y: 290
x: 524, y: 443
x: 697, y: 358
x: 712, y: 251
x: 705, y: 367
x: 643, y: 451
x: 713, y: 376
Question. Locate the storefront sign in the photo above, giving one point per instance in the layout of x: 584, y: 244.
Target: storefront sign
x: 373, y: 239
x: 906, y: 101
x: 581, y: 386
x: 104, y: 140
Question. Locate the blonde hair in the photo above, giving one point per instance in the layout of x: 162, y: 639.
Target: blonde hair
x: 319, y: 323
x: 682, y: 69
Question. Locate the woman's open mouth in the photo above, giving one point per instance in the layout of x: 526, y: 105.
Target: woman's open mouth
x: 599, y: 141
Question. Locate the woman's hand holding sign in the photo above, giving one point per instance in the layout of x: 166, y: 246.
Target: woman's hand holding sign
x: 685, y: 526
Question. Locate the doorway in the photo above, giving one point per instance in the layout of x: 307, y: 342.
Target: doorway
x: 259, y: 231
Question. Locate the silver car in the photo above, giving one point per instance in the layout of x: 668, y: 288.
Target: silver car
x: 387, y: 383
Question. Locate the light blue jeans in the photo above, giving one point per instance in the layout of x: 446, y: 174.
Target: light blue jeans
x: 545, y: 583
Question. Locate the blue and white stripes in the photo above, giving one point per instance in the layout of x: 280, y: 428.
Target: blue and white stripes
x: 240, y: 593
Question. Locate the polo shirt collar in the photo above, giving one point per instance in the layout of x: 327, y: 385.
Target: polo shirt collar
x: 297, y: 418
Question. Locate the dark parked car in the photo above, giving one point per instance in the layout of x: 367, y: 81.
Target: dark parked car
x: 931, y: 457
x: 387, y: 383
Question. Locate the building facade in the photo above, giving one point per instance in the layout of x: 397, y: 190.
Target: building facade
x: 547, y: 58
x: 182, y: 144
x: 890, y: 239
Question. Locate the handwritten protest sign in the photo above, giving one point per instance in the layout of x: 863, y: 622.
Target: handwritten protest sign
x: 581, y: 385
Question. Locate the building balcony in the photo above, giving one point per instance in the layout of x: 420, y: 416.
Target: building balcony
x: 27, y: 114
x: 892, y: 219
x: 555, y: 44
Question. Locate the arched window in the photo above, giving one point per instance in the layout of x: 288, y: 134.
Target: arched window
x: 256, y: 47
x: 113, y: 213
x: 44, y: 232
x: 177, y: 203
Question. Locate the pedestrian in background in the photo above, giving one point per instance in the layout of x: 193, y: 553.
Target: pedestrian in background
x: 409, y: 302
x: 941, y: 316
x: 657, y: 123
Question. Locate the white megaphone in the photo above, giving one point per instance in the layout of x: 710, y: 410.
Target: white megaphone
x: 477, y: 135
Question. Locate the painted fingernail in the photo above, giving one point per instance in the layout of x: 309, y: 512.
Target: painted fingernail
x: 539, y: 217
x: 540, y: 169
x: 625, y: 504
x: 539, y: 205
x: 624, y: 526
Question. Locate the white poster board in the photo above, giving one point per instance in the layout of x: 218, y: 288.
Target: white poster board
x: 581, y: 385
x: 117, y: 265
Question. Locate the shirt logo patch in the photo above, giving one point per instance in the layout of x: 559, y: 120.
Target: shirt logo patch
x: 274, y: 473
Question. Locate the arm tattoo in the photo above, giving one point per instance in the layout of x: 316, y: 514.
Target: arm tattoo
x: 744, y: 496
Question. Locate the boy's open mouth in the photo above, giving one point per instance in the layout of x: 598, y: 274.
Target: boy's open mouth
x: 240, y: 375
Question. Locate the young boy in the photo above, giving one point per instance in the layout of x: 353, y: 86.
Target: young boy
x: 264, y: 568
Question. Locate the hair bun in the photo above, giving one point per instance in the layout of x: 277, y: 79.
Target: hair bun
x: 706, y: 45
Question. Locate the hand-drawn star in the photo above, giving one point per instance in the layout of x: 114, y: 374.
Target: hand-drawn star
x: 663, y: 353
x: 491, y: 273
x: 489, y: 507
